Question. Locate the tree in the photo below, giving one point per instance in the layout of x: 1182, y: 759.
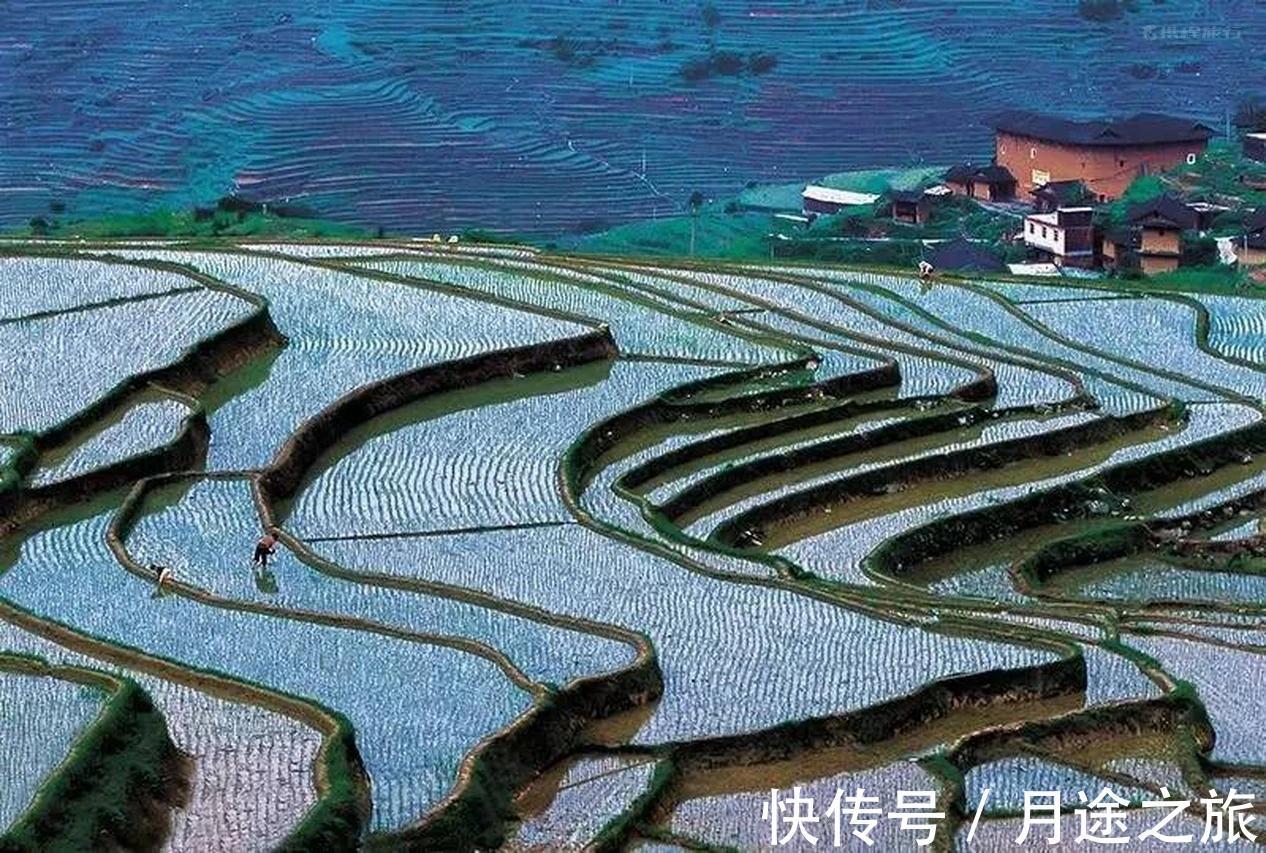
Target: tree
x: 696, y: 202
x: 1250, y: 114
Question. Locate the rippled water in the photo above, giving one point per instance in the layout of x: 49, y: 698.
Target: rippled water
x: 393, y: 691
x: 40, y: 718
x: 145, y: 426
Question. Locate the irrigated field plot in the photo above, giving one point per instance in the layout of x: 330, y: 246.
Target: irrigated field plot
x: 574, y: 554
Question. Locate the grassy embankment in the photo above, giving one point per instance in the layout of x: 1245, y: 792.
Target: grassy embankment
x: 749, y: 226
x: 759, y: 224
x: 229, y: 217
x: 114, y: 788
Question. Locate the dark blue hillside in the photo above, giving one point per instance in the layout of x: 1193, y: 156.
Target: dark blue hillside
x: 545, y: 116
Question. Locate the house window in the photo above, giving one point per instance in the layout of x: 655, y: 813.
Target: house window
x: 1191, y: 159
x: 1032, y: 227
x: 1032, y: 153
x: 1043, y: 231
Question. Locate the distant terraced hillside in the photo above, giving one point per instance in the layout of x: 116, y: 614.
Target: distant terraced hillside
x: 542, y: 117
x: 581, y: 554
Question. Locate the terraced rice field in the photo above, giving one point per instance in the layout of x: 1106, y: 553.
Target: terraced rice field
x: 42, y: 717
x: 575, y: 554
x: 145, y: 425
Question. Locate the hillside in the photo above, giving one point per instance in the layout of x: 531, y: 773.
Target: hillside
x: 546, y: 117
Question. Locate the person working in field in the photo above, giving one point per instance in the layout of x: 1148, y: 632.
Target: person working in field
x: 265, y: 547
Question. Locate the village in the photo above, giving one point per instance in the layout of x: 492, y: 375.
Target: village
x: 1142, y: 196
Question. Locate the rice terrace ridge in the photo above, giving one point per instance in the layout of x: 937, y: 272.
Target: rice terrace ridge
x: 653, y: 427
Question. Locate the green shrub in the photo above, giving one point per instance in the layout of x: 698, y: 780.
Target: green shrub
x: 120, y: 763
x: 1102, y: 11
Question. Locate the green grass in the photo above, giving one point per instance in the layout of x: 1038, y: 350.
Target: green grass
x: 739, y: 236
x: 787, y: 196
x: 1215, y: 279
x: 1141, y: 189
x: 93, y: 800
x: 190, y: 224
x: 746, y: 235
x: 1216, y: 173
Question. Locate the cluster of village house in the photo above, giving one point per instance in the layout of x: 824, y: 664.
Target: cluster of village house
x: 1060, y: 170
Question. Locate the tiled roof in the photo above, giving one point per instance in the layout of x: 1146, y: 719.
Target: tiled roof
x: 990, y: 174
x: 1141, y: 129
x: 1063, y: 192
x: 906, y: 195
x: 960, y: 254
x: 1163, y: 210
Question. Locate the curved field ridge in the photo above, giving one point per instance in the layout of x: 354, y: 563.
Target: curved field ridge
x: 575, y: 553
x: 72, y: 360
x: 35, y: 287
x: 142, y: 427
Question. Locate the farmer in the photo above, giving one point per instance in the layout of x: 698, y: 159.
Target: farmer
x: 264, y: 548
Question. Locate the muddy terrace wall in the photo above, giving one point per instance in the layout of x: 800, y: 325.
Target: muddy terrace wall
x: 867, y: 726
x: 601, y: 439
x: 212, y: 358
x: 1176, y: 713
x: 944, y: 466
x: 664, y: 463
x: 476, y: 814
x: 1118, y: 540
x: 1162, y: 714
x: 1071, y: 500
x: 320, y: 433
x: 895, y: 717
x: 772, y: 464
x: 1163, y: 538
x: 187, y: 451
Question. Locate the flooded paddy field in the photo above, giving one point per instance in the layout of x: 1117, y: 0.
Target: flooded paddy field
x: 574, y: 554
